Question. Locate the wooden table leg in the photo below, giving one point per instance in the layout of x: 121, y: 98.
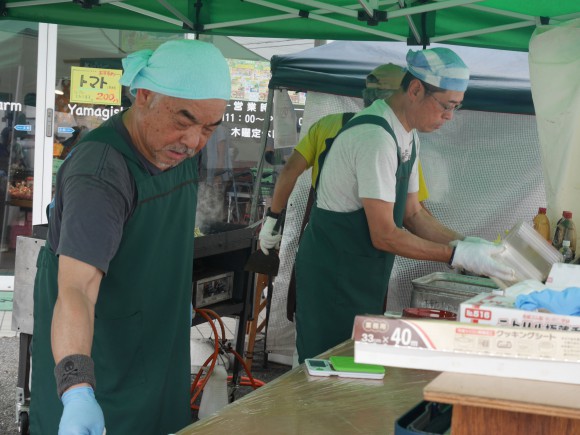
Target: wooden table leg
x: 253, y: 328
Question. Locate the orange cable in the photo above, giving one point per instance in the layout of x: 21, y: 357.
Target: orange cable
x: 218, y: 318
x: 249, y: 380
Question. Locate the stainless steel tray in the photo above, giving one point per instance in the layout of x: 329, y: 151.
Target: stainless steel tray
x: 446, y: 291
x: 454, y: 283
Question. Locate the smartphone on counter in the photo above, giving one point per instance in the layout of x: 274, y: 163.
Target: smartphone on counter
x: 344, y: 367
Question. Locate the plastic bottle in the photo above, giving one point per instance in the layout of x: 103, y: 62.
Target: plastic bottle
x: 566, y: 251
x: 215, y: 392
x: 566, y: 230
x: 558, y: 235
x: 542, y: 223
x: 569, y: 232
x: 557, y: 240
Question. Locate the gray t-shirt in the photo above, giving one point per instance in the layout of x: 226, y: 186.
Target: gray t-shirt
x: 95, y: 196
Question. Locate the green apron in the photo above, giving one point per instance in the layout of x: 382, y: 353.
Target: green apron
x: 339, y: 273
x: 142, y: 316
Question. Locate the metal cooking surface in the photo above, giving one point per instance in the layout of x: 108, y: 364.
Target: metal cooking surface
x: 222, y: 237
x: 220, y: 227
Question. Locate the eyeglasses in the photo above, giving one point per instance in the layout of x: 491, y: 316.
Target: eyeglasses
x: 446, y: 107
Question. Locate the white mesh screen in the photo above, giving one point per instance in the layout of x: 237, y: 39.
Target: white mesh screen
x: 484, y: 174
x: 483, y: 171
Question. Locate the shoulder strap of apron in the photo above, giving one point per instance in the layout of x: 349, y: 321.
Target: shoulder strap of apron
x: 347, y: 116
x: 112, y: 137
x: 363, y: 119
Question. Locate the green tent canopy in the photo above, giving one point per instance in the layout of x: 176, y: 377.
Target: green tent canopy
x: 500, y: 24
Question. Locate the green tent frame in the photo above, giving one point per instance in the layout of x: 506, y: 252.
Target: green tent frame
x: 500, y: 24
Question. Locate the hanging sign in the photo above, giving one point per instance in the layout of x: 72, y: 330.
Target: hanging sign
x: 285, y: 120
x: 95, y: 86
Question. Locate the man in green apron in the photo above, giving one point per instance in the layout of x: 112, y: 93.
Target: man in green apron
x: 380, y: 83
x: 112, y: 297
x: 367, y: 191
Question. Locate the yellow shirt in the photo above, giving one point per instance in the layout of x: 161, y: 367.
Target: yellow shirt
x: 314, y: 143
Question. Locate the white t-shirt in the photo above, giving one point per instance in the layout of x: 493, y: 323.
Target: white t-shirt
x: 363, y: 162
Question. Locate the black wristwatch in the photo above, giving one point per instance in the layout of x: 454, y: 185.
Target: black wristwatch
x: 270, y: 213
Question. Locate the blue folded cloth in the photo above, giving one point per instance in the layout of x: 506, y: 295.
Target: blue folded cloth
x: 565, y: 302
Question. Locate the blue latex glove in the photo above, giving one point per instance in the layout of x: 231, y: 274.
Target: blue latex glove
x: 565, y: 302
x: 82, y: 414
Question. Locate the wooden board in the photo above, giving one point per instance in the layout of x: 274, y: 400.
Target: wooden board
x: 473, y: 420
x: 514, y: 395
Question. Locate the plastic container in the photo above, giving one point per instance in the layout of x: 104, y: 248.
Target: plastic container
x: 528, y: 253
x: 425, y: 418
x: 566, y: 251
x: 542, y: 223
x: 446, y: 290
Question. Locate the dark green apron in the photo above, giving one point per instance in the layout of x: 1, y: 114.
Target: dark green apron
x: 142, y: 316
x: 339, y: 273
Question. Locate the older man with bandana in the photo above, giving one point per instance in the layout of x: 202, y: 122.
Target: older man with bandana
x: 367, y: 192
x: 119, y: 255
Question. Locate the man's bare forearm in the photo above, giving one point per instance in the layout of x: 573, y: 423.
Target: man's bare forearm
x: 424, y: 225
x: 293, y: 168
x: 74, y: 312
x: 72, y: 325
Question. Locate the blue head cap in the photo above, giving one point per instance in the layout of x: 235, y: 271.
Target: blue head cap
x: 189, y: 69
x: 439, y: 67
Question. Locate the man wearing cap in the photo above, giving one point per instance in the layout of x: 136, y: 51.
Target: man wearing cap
x: 367, y: 191
x: 112, y: 298
x: 380, y: 84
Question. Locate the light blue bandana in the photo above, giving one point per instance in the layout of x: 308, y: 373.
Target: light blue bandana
x: 439, y: 67
x: 189, y: 69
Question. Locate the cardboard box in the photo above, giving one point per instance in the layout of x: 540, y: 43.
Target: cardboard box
x: 440, y: 345
x: 486, y: 309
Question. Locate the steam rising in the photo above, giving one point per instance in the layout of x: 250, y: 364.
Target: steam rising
x: 210, y: 206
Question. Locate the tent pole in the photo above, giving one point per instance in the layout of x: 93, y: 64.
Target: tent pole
x: 176, y: 13
x: 260, y: 169
x: 412, y: 26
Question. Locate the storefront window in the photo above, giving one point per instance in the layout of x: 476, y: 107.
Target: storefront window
x: 88, y: 67
x: 228, y: 162
x: 90, y: 55
x: 18, y: 60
